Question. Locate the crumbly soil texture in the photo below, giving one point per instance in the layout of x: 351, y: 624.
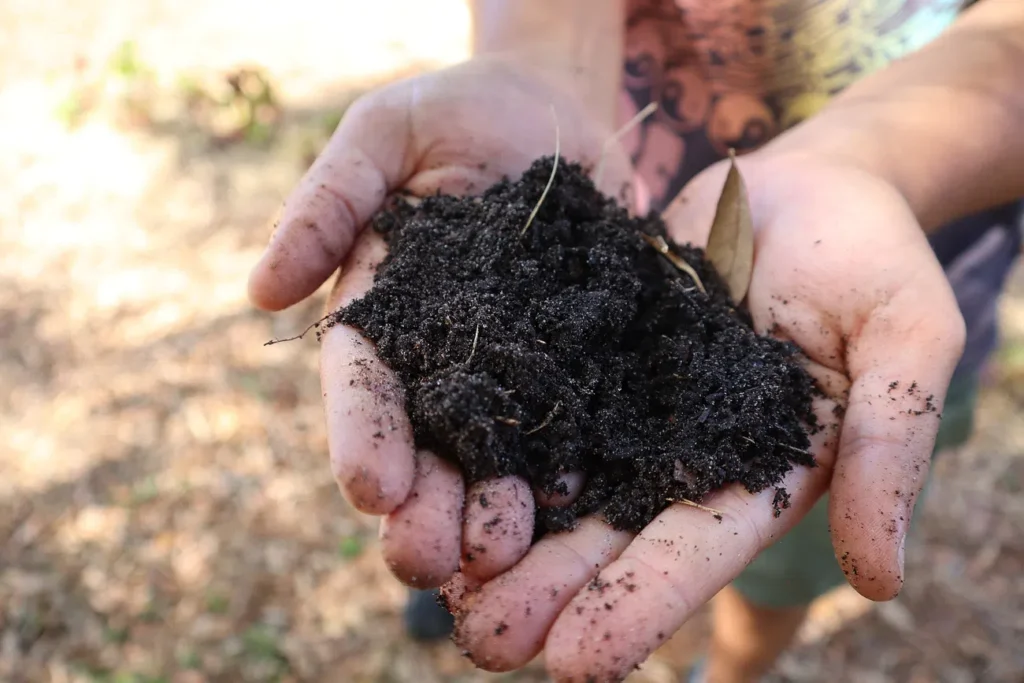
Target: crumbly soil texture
x: 576, y: 346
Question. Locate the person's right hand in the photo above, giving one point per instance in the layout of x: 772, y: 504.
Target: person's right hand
x: 843, y: 270
x: 456, y: 131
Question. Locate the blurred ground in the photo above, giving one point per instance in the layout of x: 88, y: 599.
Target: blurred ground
x: 166, y: 511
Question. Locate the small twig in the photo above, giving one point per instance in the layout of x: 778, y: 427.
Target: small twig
x: 510, y: 421
x: 618, y: 135
x: 476, y: 336
x: 717, y: 514
x: 797, y: 450
x: 678, y: 284
x: 299, y: 336
x: 784, y: 445
x: 547, y: 420
x: 661, y: 247
x: 551, y: 180
x: 412, y: 200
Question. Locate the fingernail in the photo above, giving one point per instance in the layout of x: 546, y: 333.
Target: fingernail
x: 901, y: 553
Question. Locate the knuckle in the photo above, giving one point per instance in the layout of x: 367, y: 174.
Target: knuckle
x: 957, y: 333
x: 858, y: 440
x: 736, y: 505
x: 675, y: 584
x: 362, y: 107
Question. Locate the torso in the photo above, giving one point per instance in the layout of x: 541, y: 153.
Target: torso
x: 734, y: 73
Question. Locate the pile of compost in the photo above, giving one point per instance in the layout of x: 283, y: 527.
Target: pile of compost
x: 571, y: 344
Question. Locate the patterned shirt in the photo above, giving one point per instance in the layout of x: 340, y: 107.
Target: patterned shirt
x: 734, y: 73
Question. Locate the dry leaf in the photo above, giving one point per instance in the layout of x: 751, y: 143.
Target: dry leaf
x: 731, y: 243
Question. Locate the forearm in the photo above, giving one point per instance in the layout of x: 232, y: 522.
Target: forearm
x: 578, y: 43
x: 945, y: 125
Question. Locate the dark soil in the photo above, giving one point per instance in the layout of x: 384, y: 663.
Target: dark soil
x: 577, y: 346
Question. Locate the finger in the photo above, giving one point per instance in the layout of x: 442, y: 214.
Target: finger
x: 889, y: 433
x: 504, y: 625
x: 420, y: 541
x: 459, y: 593
x: 368, y: 432
x: 364, y: 160
x: 573, y: 487
x: 673, y: 567
x: 498, y: 526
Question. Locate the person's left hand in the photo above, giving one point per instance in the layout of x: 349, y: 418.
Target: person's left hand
x: 841, y: 268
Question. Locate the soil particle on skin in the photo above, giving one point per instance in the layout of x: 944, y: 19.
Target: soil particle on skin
x: 780, y: 502
x: 576, y: 346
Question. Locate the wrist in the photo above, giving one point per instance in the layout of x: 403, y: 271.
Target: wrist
x: 598, y: 96
x: 846, y: 143
x: 574, y: 45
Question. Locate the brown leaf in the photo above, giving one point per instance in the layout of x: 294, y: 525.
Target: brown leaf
x: 731, y: 243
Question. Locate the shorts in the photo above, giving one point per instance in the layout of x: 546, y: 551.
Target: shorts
x: 802, y: 566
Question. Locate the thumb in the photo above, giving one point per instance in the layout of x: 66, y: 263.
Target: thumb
x: 364, y: 160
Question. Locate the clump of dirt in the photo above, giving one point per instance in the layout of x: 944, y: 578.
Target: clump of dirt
x: 576, y: 346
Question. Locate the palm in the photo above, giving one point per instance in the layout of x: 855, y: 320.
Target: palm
x: 843, y: 270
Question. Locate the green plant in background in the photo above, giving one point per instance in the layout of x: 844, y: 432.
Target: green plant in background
x: 125, y: 61
x: 144, y: 491
x: 240, y: 106
x: 71, y: 110
x: 217, y: 604
x: 125, y: 77
x: 100, y: 675
x: 1009, y: 368
x: 350, y: 547
x: 150, y: 614
x: 125, y: 677
x: 117, y: 635
x: 133, y: 85
x: 260, y: 646
x: 329, y: 121
x: 254, y: 97
x: 260, y: 641
x: 189, y: 659
x: 1011, y: 357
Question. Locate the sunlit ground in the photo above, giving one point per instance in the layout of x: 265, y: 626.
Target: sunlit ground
x: 166, y: 511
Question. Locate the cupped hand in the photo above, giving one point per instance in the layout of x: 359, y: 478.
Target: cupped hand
x: 456, y: 131
x: 842, y: 269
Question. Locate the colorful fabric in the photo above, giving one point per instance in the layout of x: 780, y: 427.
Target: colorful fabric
x: 734, y: 73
